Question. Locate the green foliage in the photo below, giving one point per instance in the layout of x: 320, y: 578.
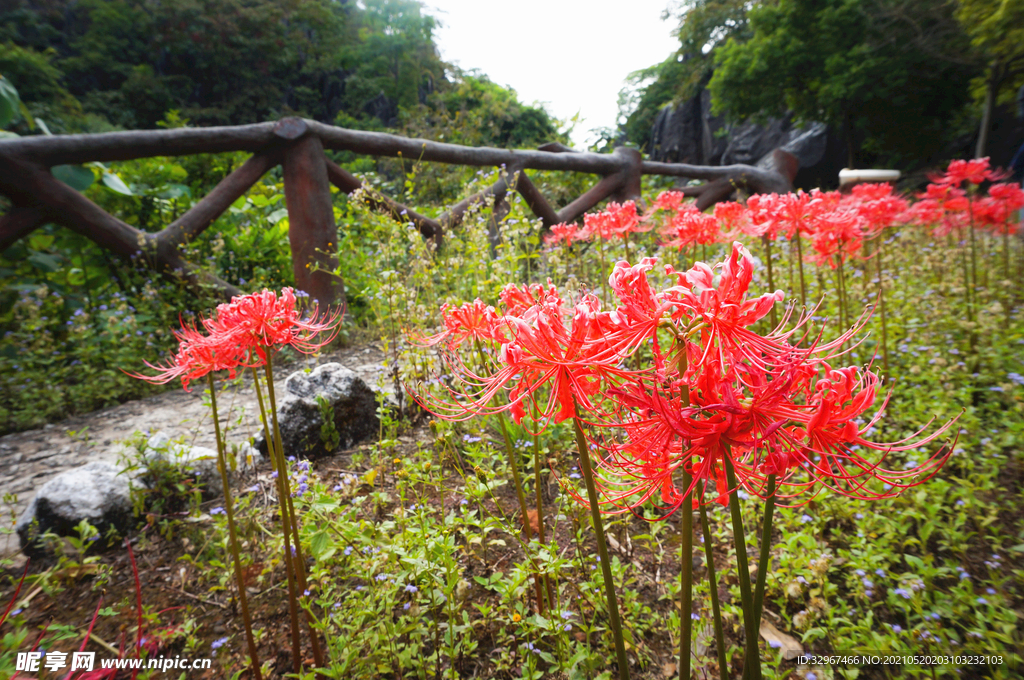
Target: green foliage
x: 163, y: 482
x: 704, y: 25
x: 222, y: 62
x: 884, y: 75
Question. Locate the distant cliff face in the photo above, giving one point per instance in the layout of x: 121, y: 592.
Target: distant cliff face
x: 691, y: 133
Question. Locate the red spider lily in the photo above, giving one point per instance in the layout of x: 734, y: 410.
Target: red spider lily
x: 762, y: 211
x: 689, y: 227
x: 974, y: 172
x: 567, y: 232
x: 520, y: 300
x: 263, y: 320
x: 240, y: 335
x: 877, y: 206
x: 668, y: 200
x: 197, y: 356
x: 724, y: 312
x: 615, y: 221
x: 733, y: 218
x: 472, y: 321
x: 996, y: 211
x: 944, y: 207
x: 566, y: 350
x: 836, y: 235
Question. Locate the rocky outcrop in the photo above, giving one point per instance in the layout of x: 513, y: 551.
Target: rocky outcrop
x: 690, y: 133
x: 351, y: 403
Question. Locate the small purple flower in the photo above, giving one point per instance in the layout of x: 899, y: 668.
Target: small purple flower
x: 982, y: 600
x: 218, y: 511
x: 411, y: 588
x: 218, y: 643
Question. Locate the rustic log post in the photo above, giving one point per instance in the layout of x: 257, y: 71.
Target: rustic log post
x: 18, y: 222
x: 312, y: 231
x: 632, y: 171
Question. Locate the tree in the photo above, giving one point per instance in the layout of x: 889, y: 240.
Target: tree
x: 703, y: 25
x: 888, y: 73
x: 996, y: 28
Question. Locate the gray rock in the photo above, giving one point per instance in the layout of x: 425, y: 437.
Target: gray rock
x: 688, y: 132
x: 94, y: 492
x: 352, y: 402
x: 194, y: 460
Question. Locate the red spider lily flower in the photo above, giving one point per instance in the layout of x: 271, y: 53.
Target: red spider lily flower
x: 520, y: 300
x: 724, y: 311
x: 837, y: 234
x: 690, y: 227
x: 974, y: 172
x: 943, y: 207
x: 197, y: 356
x: 566, y: 351
x: 733, y: 218
x: 567, y: 232
x: 264, y: 320
x: 877, y: 206
x: 998, y: 209
x: 668, y: 200
x: 471, y: 321
x: 615, y: 221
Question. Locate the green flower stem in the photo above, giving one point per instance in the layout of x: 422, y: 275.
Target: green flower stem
x: 752, y: 656
x: 800, y: 265
x: 602, y: 547
x: 540, y: 508
x: 282, y: 474
x: 243, y: 599
x: 881, y: 304
x: 527, y: 532
x: 766, y: 541
x: 298, y: 562
x: 685, y: 580
x: 716, y: 609
x: 771, y: 280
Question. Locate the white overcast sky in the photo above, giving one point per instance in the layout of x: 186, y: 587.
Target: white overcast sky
x: 571, y: 56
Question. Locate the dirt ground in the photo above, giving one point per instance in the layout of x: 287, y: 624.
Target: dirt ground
x: 29, y: 459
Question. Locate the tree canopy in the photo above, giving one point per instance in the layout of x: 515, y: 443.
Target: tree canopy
x: 87, y: 64
x: 884, y: 75
x: 894, y: 75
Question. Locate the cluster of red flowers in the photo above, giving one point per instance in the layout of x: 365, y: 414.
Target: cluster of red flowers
x: 952, y: 207
x: 713, y: 388
x: 836, y: 224
x: 615, y: 222
x: 240, y: 335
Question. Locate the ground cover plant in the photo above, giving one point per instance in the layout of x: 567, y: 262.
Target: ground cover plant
x: 461, y: 543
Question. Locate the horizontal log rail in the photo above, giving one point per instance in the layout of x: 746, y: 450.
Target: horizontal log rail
x: 299, y: 145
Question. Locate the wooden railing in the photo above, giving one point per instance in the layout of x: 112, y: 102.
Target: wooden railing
x: 298, y: 144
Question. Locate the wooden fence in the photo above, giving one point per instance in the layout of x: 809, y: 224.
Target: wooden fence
x: 298, y: 144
